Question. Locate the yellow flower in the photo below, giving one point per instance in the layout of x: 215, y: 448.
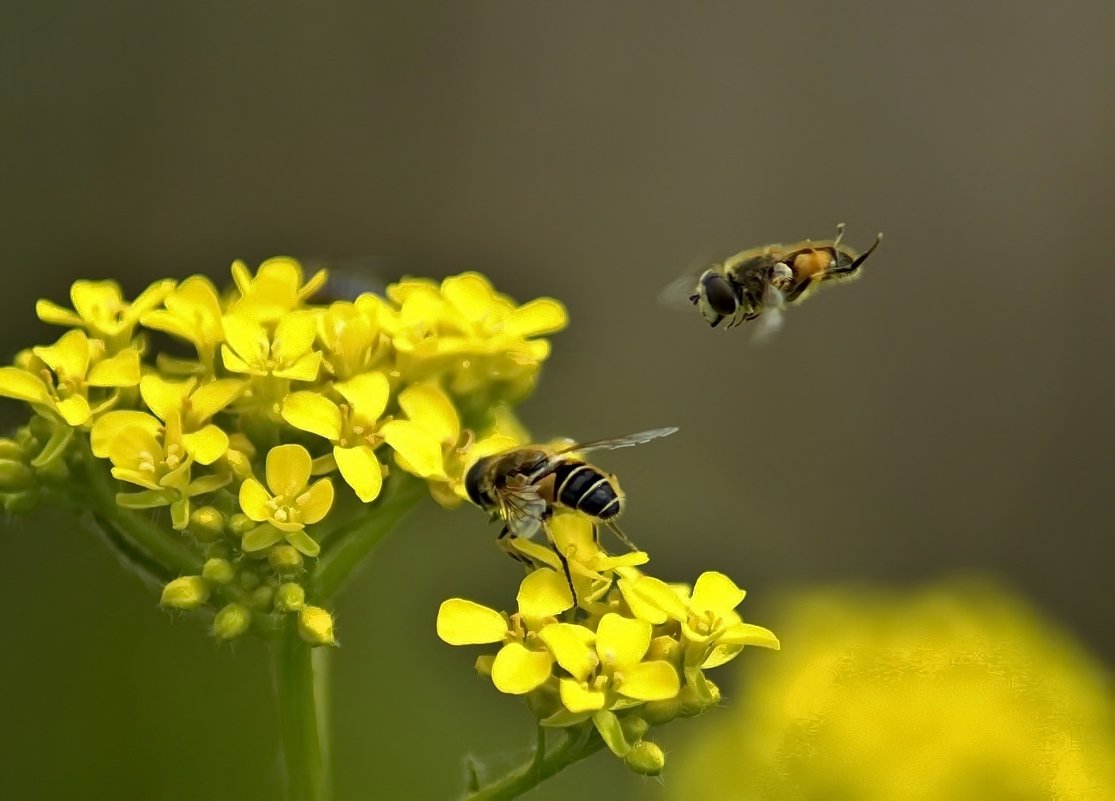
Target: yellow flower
x: 100, y: 308
x: 60, y: 375
x: 524, y: 662
x: 288, y: 353
x: 353, y: 342
x: 192, y: 312
x: 291, y: 504
x: 478, y: 337
x: 191, y: 404
x: 274, y: 291
x: 712, y: 630
x: 352, y: 427
x: 959, y: 692
x: 428, y: 443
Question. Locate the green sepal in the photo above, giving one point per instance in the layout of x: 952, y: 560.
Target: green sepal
x: 611, y: 731
x: 59, y: 438
x: 180, y: 514
x: 145, y: 499
x: 262, y: 536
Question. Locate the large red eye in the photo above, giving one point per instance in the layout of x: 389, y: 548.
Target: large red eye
x: 719, y: 293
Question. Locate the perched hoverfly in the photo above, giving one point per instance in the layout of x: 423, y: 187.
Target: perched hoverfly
x: 522, y: 486
x: 758, y: 283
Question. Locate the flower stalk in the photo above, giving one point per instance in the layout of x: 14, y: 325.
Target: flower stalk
x: 296, y: 688
x: 543, y: 765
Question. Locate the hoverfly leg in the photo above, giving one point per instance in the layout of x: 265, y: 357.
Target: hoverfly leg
x: 564, y: 563
x: 849, y: 269
x: 621, y: 536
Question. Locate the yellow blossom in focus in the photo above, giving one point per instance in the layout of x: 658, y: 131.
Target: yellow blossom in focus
x: 274, y: 291
x: 286, y: 354
x: 352, y: 340
x: 100, y: 308
x: 192, y: 312
x: 959, y: 692
x: 291, y: 504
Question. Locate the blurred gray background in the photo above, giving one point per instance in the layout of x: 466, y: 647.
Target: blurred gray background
x: 951, y: 412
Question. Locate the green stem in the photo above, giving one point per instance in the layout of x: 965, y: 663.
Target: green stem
x: 574, y: 749
x: 298, y: 718
x: 350, y: 546
x: 148, y: 536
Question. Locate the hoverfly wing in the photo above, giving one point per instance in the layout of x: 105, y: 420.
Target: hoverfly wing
x: 522, y: 509
x: 770, y: 321
x: 680, y: 293
x: 619, y: 442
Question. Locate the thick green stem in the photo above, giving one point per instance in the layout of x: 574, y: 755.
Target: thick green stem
x: 350, y: 545
x: 538, y: 769
x: 297, y: 689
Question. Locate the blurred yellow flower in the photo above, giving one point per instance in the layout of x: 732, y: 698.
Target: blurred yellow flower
x: 958, y: 693
x: 192, y: 312
x: 275, y: 290
x: 291, y: 504
x: 100, y: 308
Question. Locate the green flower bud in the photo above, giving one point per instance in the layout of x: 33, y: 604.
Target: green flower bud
x: 261, y: 598
x: 634, y: 727
x: 665, y: 648
x: 290, y: 597
x: 646, y: 758
x: 207, y: 524
x: 185, y: 592
x: 285, y: 558
x: 232, y: 621
x: 10, y: 449
x: 41, y: 428
x: 15, y: 476
x: 240, y: 524
x: 693, y: 704
x: 27, y: 442
x: 218, y: 571
x: 250, y: 580
x: 19, y: 503
x: 218, y: 550
x: 484, y: 664
x: 315, y: 626
x: 659, y: 712
x: 56, y: 471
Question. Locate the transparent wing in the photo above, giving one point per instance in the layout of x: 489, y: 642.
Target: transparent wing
x: 522, y: 509
x: 769, y: 322
x: 620, y: 442
x: 678, y: 294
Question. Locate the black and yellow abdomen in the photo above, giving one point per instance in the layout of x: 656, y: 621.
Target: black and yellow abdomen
x: 586, y: 489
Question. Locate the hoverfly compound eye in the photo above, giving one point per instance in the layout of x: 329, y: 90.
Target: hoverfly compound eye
x: 472, y: 485
x: 718, y: 297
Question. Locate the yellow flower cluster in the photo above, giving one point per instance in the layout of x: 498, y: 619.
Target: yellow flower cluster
x: 267, y: 421
x: 630, y: 652
x: 958, y: 692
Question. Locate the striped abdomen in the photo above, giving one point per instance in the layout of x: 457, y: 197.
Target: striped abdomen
x: 582, y: 487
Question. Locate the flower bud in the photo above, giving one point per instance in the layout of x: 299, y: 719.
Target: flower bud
x: 665, y: 648
x: 692, y: 703
x: 185, y: 592
x: 290, y: 597
x: 315, y: 626
x: 231, y: 622
x: 240, y: 524
x: 261, y: 598
x: 249, y: 580
x: 41, y: 428
x: 484, y: 664
x: 646, y: 758
x: 19, y: 503
x: 15, y: 476
x: 10, y: 449
x: 218, y: 550
x: 218, y: 571
x: 634, y: 727
x: 207, y: 524
x: 285, y: 558
x: 659, y: 712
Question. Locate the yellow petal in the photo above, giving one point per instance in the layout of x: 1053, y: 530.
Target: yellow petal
x: 314, y: 503
x: 233, y: 363
x: 288, y: 470
x: 75, y: 410
x: 518, y: 670
x: 68, y: 357
x: 660, y: 595
x: 294, y: 336
x: 421, y: 449
x: 121, y: 370
x: 569, y: 643
x: 715, y: 592
x: 470, y: 293
x: 206, y: 445
x: 543, y: 593
x: 649, y: 681
x: 312, y: 412
x: 213, y: 397
x: 111, y: 424
x: 360, y: 470
x: 305, y: 369
x: 150, y: 298
x: 620, y: 640
x: 247, y: 338
x: 260, y: 537
x: 577, y: 698
x: 21, y: 385
x: 748, y: 634
x: 639, y: 606
x: 52, y: 313
x: 367, y: 393
x: 255, y: 500
x: 163, y: 396
x: 542, y: 316
x: 461, y: 622
x: 431, y: 408
x: 96, y: 300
